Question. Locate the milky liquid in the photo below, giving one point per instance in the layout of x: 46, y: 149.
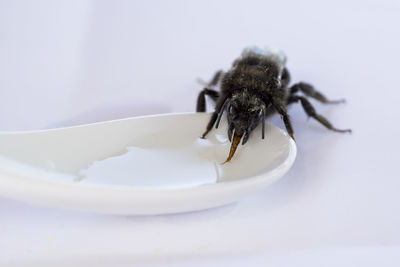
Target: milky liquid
x: 150, y: 167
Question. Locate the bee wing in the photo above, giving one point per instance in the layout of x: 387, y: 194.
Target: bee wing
x: 275, y: 55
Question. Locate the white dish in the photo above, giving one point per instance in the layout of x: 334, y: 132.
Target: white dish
x: 145, y: 165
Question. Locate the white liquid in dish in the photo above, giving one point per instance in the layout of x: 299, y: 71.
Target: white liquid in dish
x: 145, y: 165
x: 156, y: 167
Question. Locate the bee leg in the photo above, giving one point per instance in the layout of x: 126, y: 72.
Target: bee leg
x: 310, y: 111
x: 217, y: 76
x: 214, y: 81
x: 309, y: 90
x: 201, y: 99
x: 285, y: 78
x: 263, y: 124
x: 219, y: 109
x: 281, y: 109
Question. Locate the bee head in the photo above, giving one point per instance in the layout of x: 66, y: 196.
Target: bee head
x: 244, y: 112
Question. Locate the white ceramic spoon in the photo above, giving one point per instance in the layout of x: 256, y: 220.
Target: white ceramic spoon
x: 145, y: 165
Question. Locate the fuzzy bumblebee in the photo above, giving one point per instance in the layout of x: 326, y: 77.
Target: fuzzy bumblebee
x: 256, y: 87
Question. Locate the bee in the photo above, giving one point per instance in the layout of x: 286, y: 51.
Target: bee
x: 257, y: 86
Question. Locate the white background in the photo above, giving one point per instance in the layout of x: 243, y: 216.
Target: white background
x: 71, y: 62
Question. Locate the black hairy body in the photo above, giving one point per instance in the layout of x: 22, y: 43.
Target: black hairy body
x: 255, y: 87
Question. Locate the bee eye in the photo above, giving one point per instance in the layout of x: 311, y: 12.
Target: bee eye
x: 231, y: 108
x: 233, y: 111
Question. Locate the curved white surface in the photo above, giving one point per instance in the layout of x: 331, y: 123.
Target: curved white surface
x: 144, y: 165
